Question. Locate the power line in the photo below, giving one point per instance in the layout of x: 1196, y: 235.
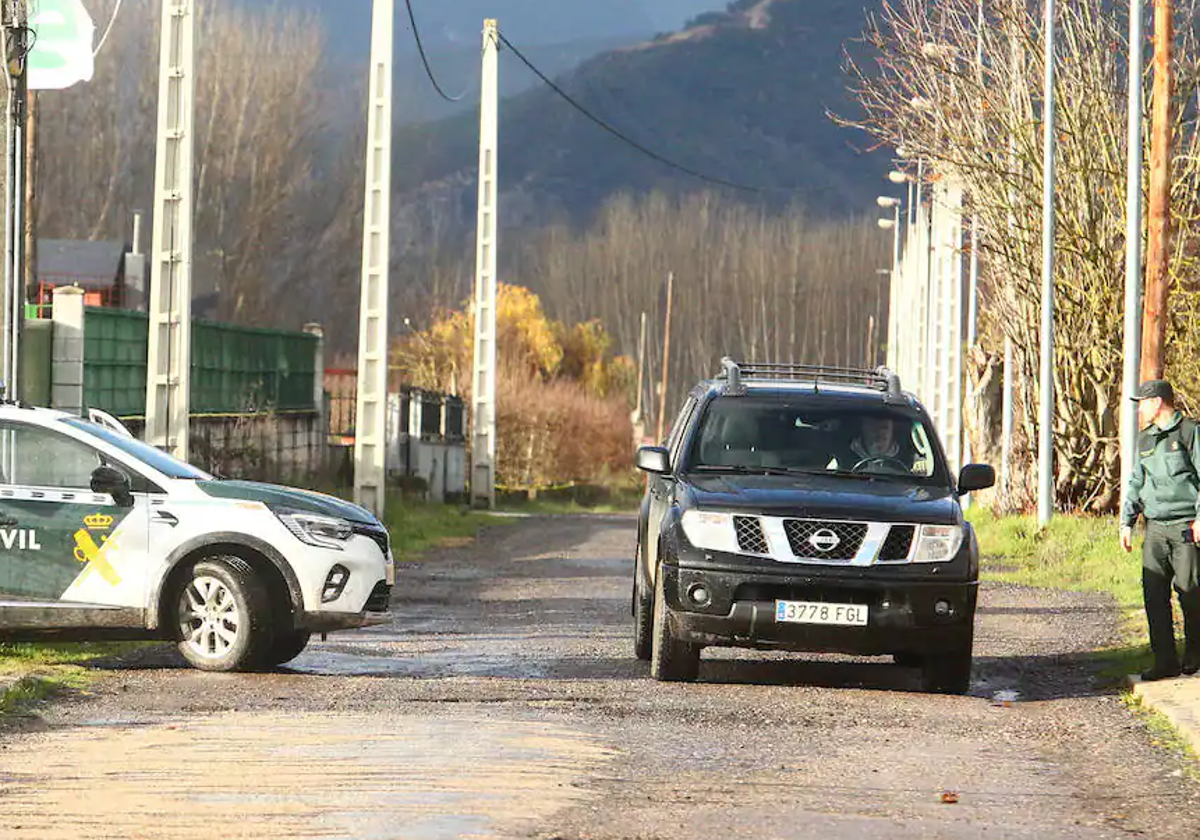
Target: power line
x: 616, y: 133
x: 425, y: 59
x: 108, y: 30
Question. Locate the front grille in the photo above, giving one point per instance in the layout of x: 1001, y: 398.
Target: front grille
x: 381, y: 598
x: 378, y: 535
x: 849, y: 538
x: 898, y: 543
x: 750, y: 536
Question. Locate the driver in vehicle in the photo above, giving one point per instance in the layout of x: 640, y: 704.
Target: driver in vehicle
x: 876, y: 448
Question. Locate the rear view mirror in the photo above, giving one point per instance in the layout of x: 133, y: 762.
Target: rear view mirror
x: 976, y: 477
x: 654, y: 459
x: 113, y: 482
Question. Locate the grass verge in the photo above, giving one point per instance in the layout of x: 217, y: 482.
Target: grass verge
x: 30, y: 673
x: 1077, y: 553
x: 417, y: 527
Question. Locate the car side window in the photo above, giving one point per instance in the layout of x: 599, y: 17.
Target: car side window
x: 36, y: 457
x: 680, y: 426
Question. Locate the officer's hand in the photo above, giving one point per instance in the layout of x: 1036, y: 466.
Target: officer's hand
x: 1196, y: 532
x: 1127, y: 538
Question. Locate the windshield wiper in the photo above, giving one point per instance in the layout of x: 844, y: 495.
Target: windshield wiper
x: 744, y: 469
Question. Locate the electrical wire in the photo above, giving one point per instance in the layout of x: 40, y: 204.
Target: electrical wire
x: 425, y: 59
x: 618, y: 134
x: 108, y: 30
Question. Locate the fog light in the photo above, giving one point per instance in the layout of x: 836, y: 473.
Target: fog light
x: 943, y: 608
x: 335, y: 583
x: 699, y: 595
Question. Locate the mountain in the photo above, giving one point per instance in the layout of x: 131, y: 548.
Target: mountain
x: 742, y: 95
x: 562, y: 33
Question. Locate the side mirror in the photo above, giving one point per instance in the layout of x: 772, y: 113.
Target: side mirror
x: 976, y: 477
x: 113, y: 482
x: 654, y: 459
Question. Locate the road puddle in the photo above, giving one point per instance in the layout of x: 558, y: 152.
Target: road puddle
x: 304, y: 775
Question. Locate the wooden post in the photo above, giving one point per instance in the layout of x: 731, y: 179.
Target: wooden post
x: 1154, y: 318
x: 666, y: 365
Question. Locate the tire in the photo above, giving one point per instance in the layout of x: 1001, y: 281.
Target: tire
x: 670, y: 659
x: 949, y: 672
x: 287, y: 646
x: 222, y: 616
x: 643, y: 615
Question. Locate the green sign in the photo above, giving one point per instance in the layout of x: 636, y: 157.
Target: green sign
x: 62, y: 49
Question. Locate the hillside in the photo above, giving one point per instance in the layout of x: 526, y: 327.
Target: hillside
x: 742, y: 95
x: 561, y: 33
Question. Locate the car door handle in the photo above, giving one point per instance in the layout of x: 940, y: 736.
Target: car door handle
x: 8, y: 522
x: 166, y: 517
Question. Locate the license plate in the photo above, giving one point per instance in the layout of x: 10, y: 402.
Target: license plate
x: 814, y: 612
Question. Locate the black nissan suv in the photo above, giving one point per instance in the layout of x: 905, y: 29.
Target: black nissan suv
x: 806, y: 509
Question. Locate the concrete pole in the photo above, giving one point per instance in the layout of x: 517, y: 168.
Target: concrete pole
x: 168, y: 375
x: 483, y: 392
x: 666, y: 364
x: 1133, y: 249
x: 1046, y: 375
x: 1158, y: 245
x: 370, y: 433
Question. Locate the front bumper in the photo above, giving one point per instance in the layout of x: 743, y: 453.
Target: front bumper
x: 741, y: 611
x: 327, y: 622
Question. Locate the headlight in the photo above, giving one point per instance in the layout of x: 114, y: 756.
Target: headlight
x: 938, y: 543
x: 705, y: 529
x: 314, y: 529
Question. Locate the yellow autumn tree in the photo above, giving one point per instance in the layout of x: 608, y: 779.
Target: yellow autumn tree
x: 563, y: 397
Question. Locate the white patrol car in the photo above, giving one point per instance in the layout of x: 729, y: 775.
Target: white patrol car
x: 103, y: 536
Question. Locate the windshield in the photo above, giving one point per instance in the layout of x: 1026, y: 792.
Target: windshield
x: 746, y: 434
x: 166, y: 464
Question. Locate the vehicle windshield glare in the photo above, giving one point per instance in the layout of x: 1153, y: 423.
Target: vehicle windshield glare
x: 739, y: 433
x: 168, y: 465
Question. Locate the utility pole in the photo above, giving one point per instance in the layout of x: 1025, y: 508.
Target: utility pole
x: 641, y: 386
x: 16, y: 40
x: 1154, y: 323
x: 483, y: 391
x: 1046, y: 405
x: 666, y: 365
x: 168, y: 379
x: 31, y: 177
x: 1133, y: 250
x: 370, y: 433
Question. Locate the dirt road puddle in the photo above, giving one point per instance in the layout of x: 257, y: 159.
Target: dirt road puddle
x: 305, y: 775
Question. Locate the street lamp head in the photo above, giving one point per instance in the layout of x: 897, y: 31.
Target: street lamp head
x: 886, y: 224
x: 898, y: 177
x: 887, y: 202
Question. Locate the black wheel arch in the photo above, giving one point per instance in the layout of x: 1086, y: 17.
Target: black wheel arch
x: 287, y: 598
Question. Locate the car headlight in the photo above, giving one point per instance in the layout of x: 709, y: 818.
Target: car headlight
x: 317, y: 530
x: 938, y: 543
x: 707, y: 529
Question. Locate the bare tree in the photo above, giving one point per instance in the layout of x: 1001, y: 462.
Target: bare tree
x: 979, y: 122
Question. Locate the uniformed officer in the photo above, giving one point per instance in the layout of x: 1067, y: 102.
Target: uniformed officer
x: 1163, y: 487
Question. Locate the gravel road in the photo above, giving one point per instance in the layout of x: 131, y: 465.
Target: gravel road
x: 503, y: 701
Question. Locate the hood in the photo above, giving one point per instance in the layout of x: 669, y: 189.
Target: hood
x: 306, y: 501
x: 820, y: 497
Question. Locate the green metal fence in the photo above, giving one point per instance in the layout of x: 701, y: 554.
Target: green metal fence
x: 235, y: 370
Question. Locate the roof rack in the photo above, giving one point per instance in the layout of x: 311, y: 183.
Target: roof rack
x: 881, y: 378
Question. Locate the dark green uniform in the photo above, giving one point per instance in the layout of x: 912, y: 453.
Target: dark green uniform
x: 1164, y: 487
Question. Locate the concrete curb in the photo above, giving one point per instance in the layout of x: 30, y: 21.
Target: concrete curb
x: 1178, y: 700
